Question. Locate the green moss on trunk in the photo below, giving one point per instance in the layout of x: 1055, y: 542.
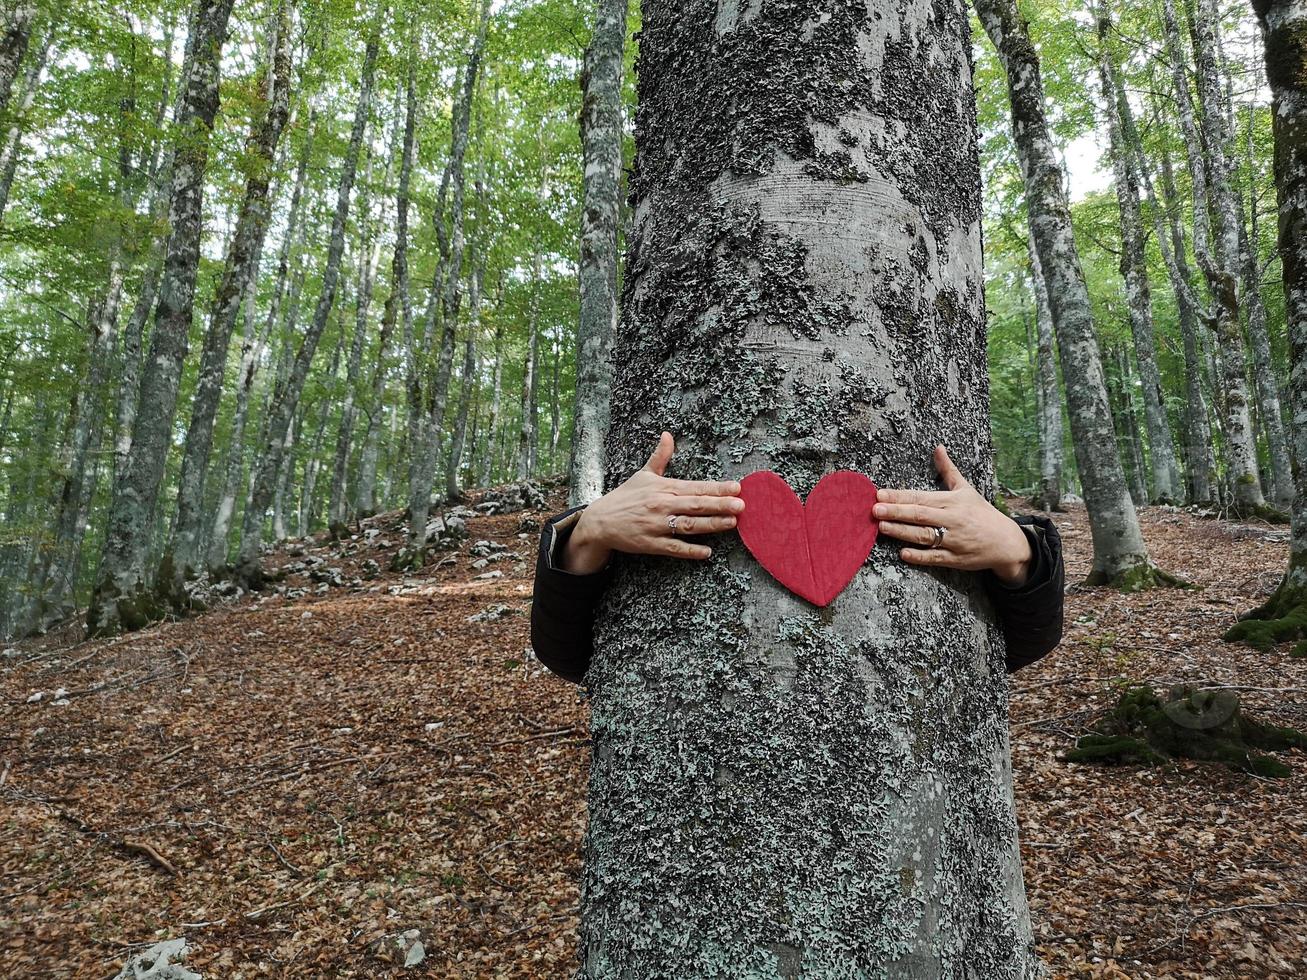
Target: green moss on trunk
x: 1279, y: 620
x: 1138, y: 578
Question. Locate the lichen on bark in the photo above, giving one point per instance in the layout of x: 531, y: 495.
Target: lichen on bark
x: 778, y: 790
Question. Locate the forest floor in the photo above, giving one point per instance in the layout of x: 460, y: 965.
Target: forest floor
x: 308, y: 783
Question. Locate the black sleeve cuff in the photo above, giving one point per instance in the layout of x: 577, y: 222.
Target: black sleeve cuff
x: 1031, y: 614
x: 564, y: 603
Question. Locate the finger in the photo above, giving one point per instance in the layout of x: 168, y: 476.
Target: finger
x: 703, y: 506
x: 953, y: 478
x: 925, y: 498
x: 936, y: 557
x: 705, y: 488
x: 911, y: 533
x: 676, y: 548
x: 662, y: 454
x: 908, y: 514
x: 704, y: 525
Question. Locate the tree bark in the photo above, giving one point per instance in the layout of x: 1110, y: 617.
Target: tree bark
x: 601, y: 189
x: 1119, y: 553
x: 398, y: 304
x: 1167, y: 480
x: 442, y: 312
x: 185, y: 558
x: 13, y: 141
x: 14, y: 38
x: 287, y: 397
x: 1222, y: 267
x: 467, y: 383
x: 775, y: 790
x: 1049, y: 496
x: 489, y: 458
x: 120, y: 599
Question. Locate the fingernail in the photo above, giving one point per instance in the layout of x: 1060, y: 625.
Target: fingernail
x: 878, y: 510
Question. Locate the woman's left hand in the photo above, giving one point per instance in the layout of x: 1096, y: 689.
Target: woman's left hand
x: 976, y: 535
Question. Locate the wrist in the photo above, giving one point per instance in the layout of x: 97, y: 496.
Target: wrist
x: 583, y: 552
x: 1014, y: 570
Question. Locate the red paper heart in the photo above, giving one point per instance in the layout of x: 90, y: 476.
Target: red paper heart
x: 812, y: 549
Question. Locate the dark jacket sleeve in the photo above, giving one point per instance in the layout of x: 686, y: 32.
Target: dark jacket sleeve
x: 564, y: 604
x: 1031, y: 614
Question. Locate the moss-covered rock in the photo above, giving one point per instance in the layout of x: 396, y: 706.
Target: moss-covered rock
x: 1192, y: 723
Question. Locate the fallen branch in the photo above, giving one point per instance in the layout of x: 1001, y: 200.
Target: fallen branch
x: 148, y: 850
x: 258, y: 913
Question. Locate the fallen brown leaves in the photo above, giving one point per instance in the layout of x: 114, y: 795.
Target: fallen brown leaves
x: 303, y: 786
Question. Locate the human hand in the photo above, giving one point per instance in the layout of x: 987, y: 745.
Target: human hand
x: 634, y: 517
x: 976, y: 535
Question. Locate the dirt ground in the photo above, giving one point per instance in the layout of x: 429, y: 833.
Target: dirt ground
x: 307, y: 783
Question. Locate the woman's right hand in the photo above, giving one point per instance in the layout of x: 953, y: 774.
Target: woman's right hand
x: 634, y: 516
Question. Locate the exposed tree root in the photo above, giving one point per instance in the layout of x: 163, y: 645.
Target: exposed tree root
x: 1261, y: 512
x: 1207, y: 725
x: 1138, y: 578
x: 1281, y: 619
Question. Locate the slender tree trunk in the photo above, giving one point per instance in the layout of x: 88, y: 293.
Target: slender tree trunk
x: 1166, y: 477
x: 287, y: 398
x: 526, y: 436
x: 488, y: 459
x: 13, y: 141
x: 1284, y: 28
x: 1259, y: 340
x: 601, y: 188
x: 185, y: 558
x: 1127, y: 429
x: 1119, y: 553
x: 120, y: 599
x: 285, y: 477
x: 443, y: 307
x: 1050, y: 395
x: 1222, y: 267
x: 313, y: 466
x: 15, y: 34
x: 368, y: 261
x: 468, y: 384
x: 756, y: 809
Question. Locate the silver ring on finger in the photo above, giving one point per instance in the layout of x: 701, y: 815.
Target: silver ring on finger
x: 939, y: 537
x: 671, y: 522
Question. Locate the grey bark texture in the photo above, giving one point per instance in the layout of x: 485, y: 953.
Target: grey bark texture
x: 601, y: 188
x: 1051, y: 482
x: 120, y: 599
x: 442, y: 314
x: 398, y: 303
x: 1167, y: 481
x: 1284, y: 27
x: 779, y: 790
x: 186, y: 558
x: 15, y: 34
x: 13, y: 140
x: 1119, y: 552
x: 1222, y: 268
x: 488, y: 459
x: 467, y: 382
x: 286, y: 400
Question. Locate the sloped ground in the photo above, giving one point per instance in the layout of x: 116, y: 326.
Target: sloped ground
x: 305, y: 785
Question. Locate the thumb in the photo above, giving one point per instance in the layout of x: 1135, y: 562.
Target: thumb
x: 953, y: 478
x: 662, y: 455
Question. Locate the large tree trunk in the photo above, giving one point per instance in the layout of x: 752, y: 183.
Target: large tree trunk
x: 778, y: 790
x: 442, y: 313
x: 1222, y: 267
x: 601, y: 189
x: 1284, y: 29
x: 1049, y: 495
x: 13, y: 140
x: 1166, y: 477
x: 121, y: 598
x: 241, y: 266
x: 1119, y: 553
x: 286, y: 400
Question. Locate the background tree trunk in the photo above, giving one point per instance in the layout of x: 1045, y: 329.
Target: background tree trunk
x: 287, y: 399
x: 601, y: 150
x: 774, y: 790
x: 241, y: 267
x: 121, y: 597
x: 1119, y: 552
x: 13, y: 141
x: 14, y: 38
x: 1050, y: 394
